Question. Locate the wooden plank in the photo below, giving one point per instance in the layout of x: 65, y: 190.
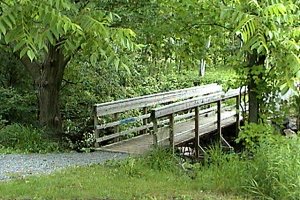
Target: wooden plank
x: 184, y: 105
x: 219, y: 120
x: 145, y: 120
x: 116, y: 128
x: 192, y: 103
x: 150, y: 100
x: 237, y: 122
x: 207, y: 125
x: 123, y: 121
x: 197, y: 132
x: 123, y: 133
x: 96, y: 132
x: 191, y: 115
x: 171, y: 131
x: 143, y: 143
x: 184, y: 127
x: 155, y: 130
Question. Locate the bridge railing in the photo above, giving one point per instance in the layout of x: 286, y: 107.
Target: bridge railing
x: 121, y: 112
x: 175, y: 131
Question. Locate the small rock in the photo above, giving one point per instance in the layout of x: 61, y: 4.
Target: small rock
x: 289, y: 133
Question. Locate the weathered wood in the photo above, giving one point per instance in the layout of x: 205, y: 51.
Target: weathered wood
x: 238, y: 102
x: 145, y: 120
x: 174, y: 113
x: 123, y: 133
x: 197, y: 132
x: 123, y: 121
x: 116, y: 117
x: 185, y: 130
x: 155, y: 129
x: 96, y: 131
x: 150, y: 100
x: 192, y: 103
x: 171, y: 131
x: 185, y: 105
x: 219, y: 120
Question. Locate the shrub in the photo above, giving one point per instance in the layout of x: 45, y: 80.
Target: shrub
x: 25, y: 139
x: 253, y: 134
x: 162, y: 160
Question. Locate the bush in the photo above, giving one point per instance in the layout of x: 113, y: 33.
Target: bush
x: 17, y: 107
x: 25, y: 139
x: 162, y: 160
x: 253, y: 134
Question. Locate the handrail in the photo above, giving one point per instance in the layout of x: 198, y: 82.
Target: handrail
x: 153, y: 99
x: 171, y: 110
x: 114, y: 108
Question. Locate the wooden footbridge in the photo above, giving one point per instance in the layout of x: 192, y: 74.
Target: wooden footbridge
x: 172, y: 118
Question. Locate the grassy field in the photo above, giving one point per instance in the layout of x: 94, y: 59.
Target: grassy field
x: 133, y: 178
x: 99, y: 182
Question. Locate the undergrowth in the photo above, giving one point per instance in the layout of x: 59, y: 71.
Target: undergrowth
x: 16, y: 138
x: 272, y: 172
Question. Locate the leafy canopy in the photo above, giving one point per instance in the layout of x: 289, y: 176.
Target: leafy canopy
x: 31, y: 27
x: 269, y: 28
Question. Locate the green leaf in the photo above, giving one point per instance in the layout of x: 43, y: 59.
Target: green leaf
x: 19, y: 45
x: 2, y: 28
x: 93, y: 59
x: 50, y: 37
x: 30, y: 54
x: 23, y: 52
x: 7, y: 21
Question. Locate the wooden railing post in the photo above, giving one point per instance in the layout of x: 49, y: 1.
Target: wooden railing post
x: 145, y: 121
x: 219, y: 127
x: 116, y: 117
x: 197, y: 132
x: 171, y: 133
x: 116, y: 128
x: 96, y: 131
x: 155, y: 129
x: 238, y: 102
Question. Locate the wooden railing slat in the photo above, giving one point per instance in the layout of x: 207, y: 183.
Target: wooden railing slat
x: 123, y: 133
x: 150, y: 100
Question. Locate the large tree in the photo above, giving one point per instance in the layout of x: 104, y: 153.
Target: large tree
x: 47, y: 34
x: 269, y: 34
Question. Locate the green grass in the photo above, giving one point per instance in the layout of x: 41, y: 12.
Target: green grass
x: 100, y: 182
x: 155, y: 176
x: 271, y: 173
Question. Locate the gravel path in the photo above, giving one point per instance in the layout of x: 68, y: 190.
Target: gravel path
x: 20, y: 165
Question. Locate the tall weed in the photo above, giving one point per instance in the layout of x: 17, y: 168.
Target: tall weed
x: 222, y: 172
x: 276, y: 170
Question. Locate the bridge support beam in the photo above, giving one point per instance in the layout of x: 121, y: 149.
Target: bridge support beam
x: 219, y: 125
x: 238, y: 102
x: 197, y: 133
x: 171, y: 133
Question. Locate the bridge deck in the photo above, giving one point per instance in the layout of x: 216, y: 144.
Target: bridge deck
x: 143, y: 143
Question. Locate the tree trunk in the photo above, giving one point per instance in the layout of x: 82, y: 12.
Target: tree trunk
x: 48, y: 78
x: 48, y: 101
x: 202, y: 64
x: 254, y: 103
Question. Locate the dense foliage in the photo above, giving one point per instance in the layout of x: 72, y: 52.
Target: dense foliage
x: 90, y: 44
